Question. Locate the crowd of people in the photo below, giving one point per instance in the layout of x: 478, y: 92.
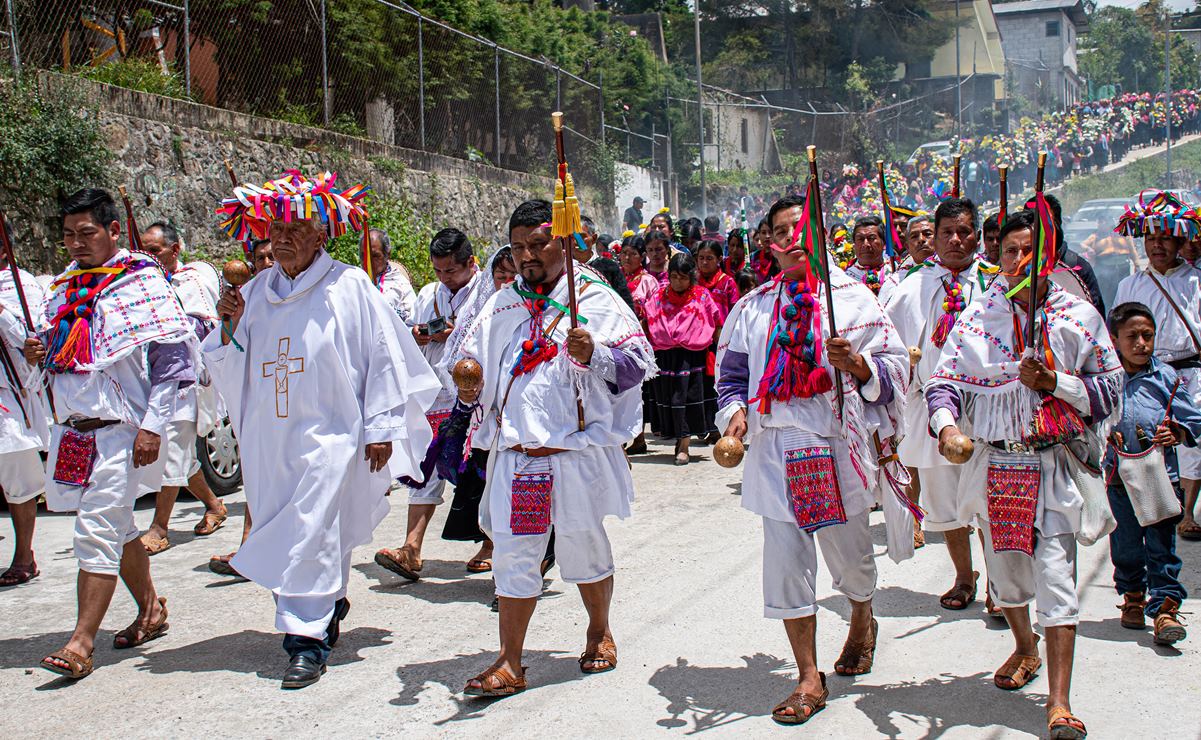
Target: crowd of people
x: 1083, y: 139
x: 943, y: 369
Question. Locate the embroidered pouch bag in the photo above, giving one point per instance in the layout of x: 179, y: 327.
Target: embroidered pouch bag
x: 76, y: 456
x: 1013, y: 484
x: 812, y: 480
x: 530, y: 495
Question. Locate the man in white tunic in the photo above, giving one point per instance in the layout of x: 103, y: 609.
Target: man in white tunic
x: 391, y: 278
x: 196, y: 284
x: 325, y: 388
x: 119, y: 350
x: 810, y: 474
x: 23, y: 429
x: 441, y: 305
x: 544, y: 469
x: 1171, y: 287
x: 1034, y: 412
x: 869, y: 266
x: 924, y: 307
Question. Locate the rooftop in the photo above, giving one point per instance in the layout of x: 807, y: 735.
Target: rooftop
x: 1073, y: 8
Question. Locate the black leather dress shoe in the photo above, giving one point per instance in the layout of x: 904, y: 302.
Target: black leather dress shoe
x: 302, y: 672
x: 341, y: 609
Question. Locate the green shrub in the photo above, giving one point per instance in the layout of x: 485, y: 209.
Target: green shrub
x: 137, y: 73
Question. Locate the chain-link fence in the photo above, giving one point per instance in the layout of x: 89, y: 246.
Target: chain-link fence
x: 371, y: 68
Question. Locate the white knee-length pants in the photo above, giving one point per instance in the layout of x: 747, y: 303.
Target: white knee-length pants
x: 1048, y: 579
x: 790, y: 565
x: 583, y: 557
x: 22, y: 475
x: 942, y: 499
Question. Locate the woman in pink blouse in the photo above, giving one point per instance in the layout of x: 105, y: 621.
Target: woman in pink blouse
x: 682, y: 318
x: 722, y: 287
x: 641, y: 283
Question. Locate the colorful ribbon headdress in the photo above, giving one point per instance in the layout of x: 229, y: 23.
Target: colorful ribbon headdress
x: 1162, y: 213
x: 293, y: 197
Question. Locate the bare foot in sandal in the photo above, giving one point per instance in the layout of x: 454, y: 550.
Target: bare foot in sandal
x: 500, y: 679
x: 600, y: 655
x: 150, y: 625
x: 960, y: 595
x: 1020, y: 668
x: 806, y: 700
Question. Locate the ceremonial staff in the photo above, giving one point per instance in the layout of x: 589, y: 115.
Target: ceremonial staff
x: 11, y: 258
x: 1003, y: 171
x: 820, y: 230
x: 955, y: 177
x: 135, y: 236
x: 229, y: 170
x: 565, y: 224
x: 1036, y: 254
x: 890, y: 234
x: 247, y: 249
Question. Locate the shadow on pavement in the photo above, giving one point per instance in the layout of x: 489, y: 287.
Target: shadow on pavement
x: 453, y: 585
x: 260, y: 653
x: 544, y: 668
x: 898, y: 601
x: 705, y: 698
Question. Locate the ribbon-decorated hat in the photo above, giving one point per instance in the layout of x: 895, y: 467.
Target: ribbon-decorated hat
x: 1163, y: 212
x: 293, y: 197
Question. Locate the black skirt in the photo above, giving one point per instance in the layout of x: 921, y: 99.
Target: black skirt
x: 463, y: 519
x: 685, y: 404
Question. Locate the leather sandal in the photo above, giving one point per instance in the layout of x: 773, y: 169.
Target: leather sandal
x: 496, y: 682
x: 990, y: 607
x: 1018, y: 670
x: 1063, y: 725
x: 77, y: 665
x: 919, y: 537
x: 964, y: 593
x: 133, y: 635
x: 479, y: 565
x: 798, y: 701
x: 857, y: 657
x: 18, y: 574
x: 154, y: 545
x: 604, y: 652
x: 1133, y: 606
x: 397, y: 561
x: 219, y: 564
x: 210, y: 523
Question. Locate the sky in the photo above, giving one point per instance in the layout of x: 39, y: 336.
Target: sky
x: 1177, y: 5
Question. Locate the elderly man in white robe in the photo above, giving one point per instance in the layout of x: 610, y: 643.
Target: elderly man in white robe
x: 197, y: 285
x: 1171, y: 287
x: 548, y: 467
x: 810, y: 474
x: 441, y: 306
x: 924, y: 307
x: 327, y: 393
x: 119, y: 351
x: 24, y: 432
x: 1039, y: 415
x: 391, y: 278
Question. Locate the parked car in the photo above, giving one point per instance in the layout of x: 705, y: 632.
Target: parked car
x: 219, y: 459
x: 1093, y: 215
x: 940, y: 150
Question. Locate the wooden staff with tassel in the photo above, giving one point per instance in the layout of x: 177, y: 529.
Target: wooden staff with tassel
x: 11, y: 258
x: 566, y: 225
x: 1003, y: 171
x: 820, y: 229
x: 1036, y: 256
x: 889, y: 241
x: 955, y: 176
x: 131, y: 225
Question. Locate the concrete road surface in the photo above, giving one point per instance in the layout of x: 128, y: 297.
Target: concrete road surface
x: 696, y: 655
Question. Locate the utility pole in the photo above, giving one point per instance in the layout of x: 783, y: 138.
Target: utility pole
x: 958, y: 81
x: 700, y: 111
x: 1167, y: 87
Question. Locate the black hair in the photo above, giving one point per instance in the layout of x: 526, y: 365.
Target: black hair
x: 992, y: 223
x: 955, y: 207
x: 1124, y: 312
x: 8, y: 230
x: 1017, y: 221
x: 1056, y: 209
x: 605, y: 239
x: 637, y: 242
x: 712, y: 245
x: 254, y: 245
x: 864, y: 222
x: 735, y: 235
x: 712, y: 222
x: 747, y: 280
x: 588, y: 224
x: 97, y: 203
x: 682, y: 263
x: 780, y: 205
x: 611, y: 272
x: 450, y: 242
x: 532, y: 213
x: 502, y: 254
x: 693, y: 233
x: 671, y: 227
x: 169, y: 232
x: 655, y: 235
